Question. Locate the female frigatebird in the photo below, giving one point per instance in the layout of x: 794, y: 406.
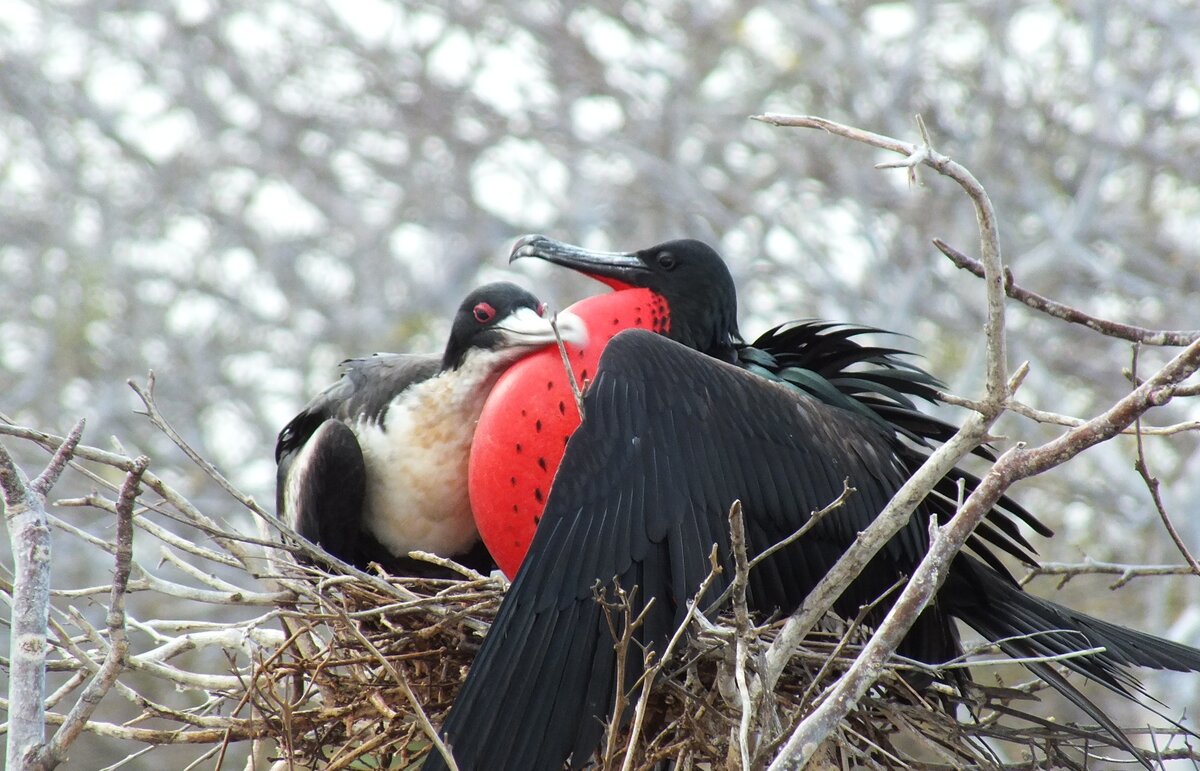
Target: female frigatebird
x: 671, y: 435
x: 373, y: 467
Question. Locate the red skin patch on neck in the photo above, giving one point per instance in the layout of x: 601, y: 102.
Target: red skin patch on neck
x: 528, y: 417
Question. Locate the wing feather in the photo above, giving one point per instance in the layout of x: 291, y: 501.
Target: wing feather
x: 670, y: 439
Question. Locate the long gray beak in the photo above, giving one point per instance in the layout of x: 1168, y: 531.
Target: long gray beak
x: 625, y: 267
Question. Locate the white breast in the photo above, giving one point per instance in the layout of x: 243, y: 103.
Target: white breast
x: 417, y: 462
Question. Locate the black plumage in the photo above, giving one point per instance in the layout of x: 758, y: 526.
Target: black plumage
x: 543, y: 684
x: 671, y: 436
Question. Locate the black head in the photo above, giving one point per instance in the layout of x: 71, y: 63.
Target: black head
x: 689, y: 274
x: 503, y: 316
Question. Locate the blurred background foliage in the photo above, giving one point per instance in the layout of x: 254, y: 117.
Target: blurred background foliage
x: 237, y: 195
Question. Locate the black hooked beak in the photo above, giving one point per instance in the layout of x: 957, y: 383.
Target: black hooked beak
x: 617, y: 269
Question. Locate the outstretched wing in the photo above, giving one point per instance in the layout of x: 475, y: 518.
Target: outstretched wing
x: 670, y: 438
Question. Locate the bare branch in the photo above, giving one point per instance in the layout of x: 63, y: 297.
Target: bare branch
x: 741, y: 616
x: 1152, y: 485
x: 973, y: 431
x: 1013, y: 465
x: 55, y: 751
x: 1126, y: 573
x: 45, y: 480
x: 29, y: 536
x: 1066, y: 313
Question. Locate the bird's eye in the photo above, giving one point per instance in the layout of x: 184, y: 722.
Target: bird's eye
x: 666, y: 260
x: 484, y: 313
x: 541, y: 309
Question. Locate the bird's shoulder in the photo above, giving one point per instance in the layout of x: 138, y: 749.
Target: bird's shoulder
x: 364, y: 391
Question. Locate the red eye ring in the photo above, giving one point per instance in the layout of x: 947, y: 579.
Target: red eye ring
x: 484, y: 313
x: 541, y: 309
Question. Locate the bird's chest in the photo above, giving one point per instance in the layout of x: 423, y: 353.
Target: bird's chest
x: 416, y: 464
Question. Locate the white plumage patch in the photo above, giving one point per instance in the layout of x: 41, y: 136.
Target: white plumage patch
x: 417, y: 461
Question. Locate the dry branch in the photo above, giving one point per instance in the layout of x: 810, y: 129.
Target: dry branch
x: 29, y: 534
x: 1015, y: 464
x: 55, y: 751
x: 326, y: 687
x: 1064, y: 312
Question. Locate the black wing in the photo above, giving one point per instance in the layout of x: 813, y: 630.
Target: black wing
x: 321, y: 476
x: 322, y: 495
x: 671, y: 438
x: 365, y: 390
x: 825, y: 360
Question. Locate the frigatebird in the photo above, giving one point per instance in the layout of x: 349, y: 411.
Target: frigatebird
x: 673, y: 432
x: 373, y: 467
x: 684, y: 291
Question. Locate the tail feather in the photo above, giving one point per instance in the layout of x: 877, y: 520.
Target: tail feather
x: 1026, y: 626
x: 998, y: 609
x: 1076, y: 697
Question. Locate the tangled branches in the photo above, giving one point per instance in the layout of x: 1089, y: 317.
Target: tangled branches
x: 307, y: 668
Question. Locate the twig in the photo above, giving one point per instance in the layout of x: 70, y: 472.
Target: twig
x: 566, y: 360
x: 54, y: 752
x: 1067, y: 313
x: 97, y: 501
x: 1042, y: 416
x: 813, y: 520
x: 449, y: 564
x: 1152, y: 485
x: 29, y: 534
x: 623, y: 641
x: 1127, y: 573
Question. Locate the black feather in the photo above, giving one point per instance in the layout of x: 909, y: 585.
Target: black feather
x: 783, y: 453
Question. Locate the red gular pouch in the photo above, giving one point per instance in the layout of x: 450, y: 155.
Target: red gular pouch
x: 531, y: 413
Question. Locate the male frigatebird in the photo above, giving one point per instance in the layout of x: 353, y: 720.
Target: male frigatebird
x: 674, y: 433
x: 373, y: 467
x: 684, y: 290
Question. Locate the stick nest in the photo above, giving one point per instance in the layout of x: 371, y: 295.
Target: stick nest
x: 235, y: 651
x: 362, y: 669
